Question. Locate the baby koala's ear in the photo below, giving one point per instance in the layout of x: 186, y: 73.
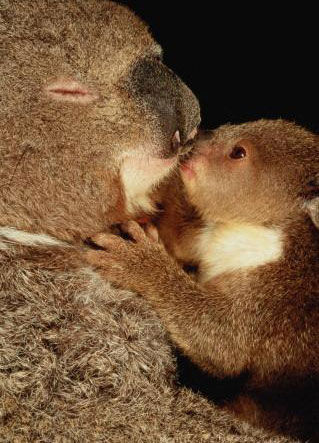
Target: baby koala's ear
x: 69, y: 90
x: 312, y: 203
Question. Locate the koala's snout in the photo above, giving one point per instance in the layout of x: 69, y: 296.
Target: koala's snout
x: 169, y: 100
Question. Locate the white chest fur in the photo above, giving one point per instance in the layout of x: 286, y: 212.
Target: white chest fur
x: 232, y: 247
x: 140, y: 174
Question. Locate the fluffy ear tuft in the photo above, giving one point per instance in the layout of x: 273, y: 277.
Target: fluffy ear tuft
x: 70, y: 90
x: 312, y: 209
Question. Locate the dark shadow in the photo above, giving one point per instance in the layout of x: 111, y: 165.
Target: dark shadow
x: 214, y: 389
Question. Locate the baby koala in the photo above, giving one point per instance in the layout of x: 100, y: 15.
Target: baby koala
x: 245, y: 211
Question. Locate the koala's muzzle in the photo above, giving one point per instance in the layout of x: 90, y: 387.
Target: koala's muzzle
x: 167, y: 98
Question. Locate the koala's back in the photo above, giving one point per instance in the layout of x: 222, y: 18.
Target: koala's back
x: 68, y: 348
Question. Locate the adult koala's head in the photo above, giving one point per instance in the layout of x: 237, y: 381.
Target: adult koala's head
x: 87, y: 116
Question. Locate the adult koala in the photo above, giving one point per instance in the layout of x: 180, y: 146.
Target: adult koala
x: 87, y: 116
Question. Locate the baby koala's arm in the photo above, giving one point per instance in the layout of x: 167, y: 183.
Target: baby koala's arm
x: 226, y: 328
x: 200, y: 322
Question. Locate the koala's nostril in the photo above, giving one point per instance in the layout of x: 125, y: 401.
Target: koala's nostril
x: 188, y: 146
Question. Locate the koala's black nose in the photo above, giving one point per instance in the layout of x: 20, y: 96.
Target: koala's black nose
x: 163, y: 93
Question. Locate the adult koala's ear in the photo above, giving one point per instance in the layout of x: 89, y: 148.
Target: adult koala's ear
x: 312, y: 202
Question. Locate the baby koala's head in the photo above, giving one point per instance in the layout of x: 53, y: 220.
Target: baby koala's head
x: 259, y: 172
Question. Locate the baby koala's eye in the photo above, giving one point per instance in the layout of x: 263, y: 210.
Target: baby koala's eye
x: 238, y: 153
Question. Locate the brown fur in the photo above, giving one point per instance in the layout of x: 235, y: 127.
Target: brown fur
x: 79, y: 360
x: 257, y: 324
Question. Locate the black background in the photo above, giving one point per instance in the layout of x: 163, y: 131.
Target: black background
x: 243, y: 62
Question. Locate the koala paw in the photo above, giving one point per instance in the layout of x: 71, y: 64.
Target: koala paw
x: 131, y: 260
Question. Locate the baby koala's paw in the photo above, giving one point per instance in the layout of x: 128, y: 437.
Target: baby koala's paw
x: 132, y: 259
